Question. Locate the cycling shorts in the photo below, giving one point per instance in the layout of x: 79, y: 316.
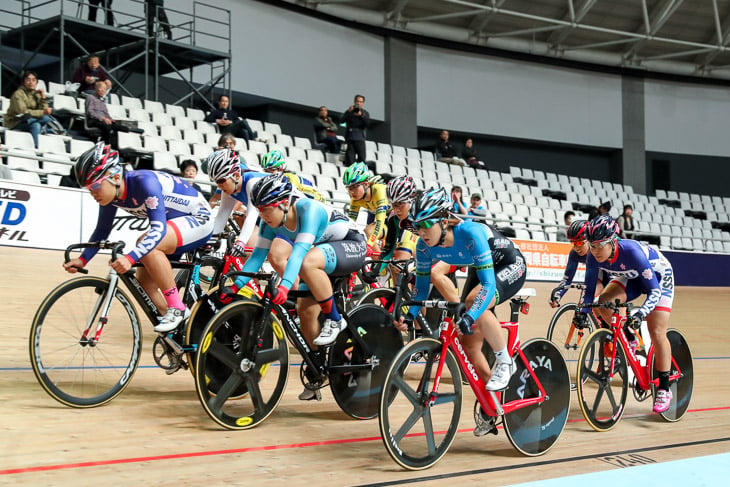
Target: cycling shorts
x: 192, y: 231
x: 343, y: 257
x: 634, y: 289
x: 510, y: 279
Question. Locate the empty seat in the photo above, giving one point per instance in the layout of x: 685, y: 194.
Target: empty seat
x: 195, y: 114
x: 271, y: 127
x: 192, y: 136
x: 175, y: 111
x: 161, y: 119
x: 16, y: 139
x: 153, y: 106
x: 154, y: 143
x: 302, y: 142
x: 255, y: 125
x: 164, y: 161
x: 283, y: 139
x: 297, y: 153
x: 205, y: 127
x: 170, y: 133
x: 138, y: 114
x: 25, y: 176
x: 130, y: 102
x: 179, y: 149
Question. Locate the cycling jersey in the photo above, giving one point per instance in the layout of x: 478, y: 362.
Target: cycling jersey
x: 638, y: 268
x: 317, y: 224
x: 228, y: 202
x: 306, y: 186
x: 161, y: 198
x: 397, y: 238
x: 471, y: 248
x: 377, y: 206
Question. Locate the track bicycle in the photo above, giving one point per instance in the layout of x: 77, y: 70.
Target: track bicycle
x: 603, y: 378
x: 85, y: 341
x: 421, y: 402
x: 242, y: 365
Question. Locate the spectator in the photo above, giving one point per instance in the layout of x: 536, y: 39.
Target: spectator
x: 154, y: 8
x: 89, y: 73
x: 325, y: 131
x: 189, y: 170
x: 567, y: 219
x: 476, y: 208
x: 29, y: 110
x: 357, y: 119
x: 602, y: 209
x: 469, y: 154
x: 446, y: 151
x: 227, y: 140
x: 456, y: 196
x: 97, y: 115
x: 229, y: 122
x: 106, y: 5
x: 626, y: 222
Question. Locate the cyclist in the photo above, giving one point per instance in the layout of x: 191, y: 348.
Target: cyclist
x: 326, y: 243
x: 400, y: 241
x: 179, y: 219
x: 234, y: 181
x: 274, y: 161
x: 635, y: 269
x: 576, y: 234
x: 366, y: 191
x: 496, y: 272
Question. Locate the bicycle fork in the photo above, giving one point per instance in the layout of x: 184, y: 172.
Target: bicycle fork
x: 101, y: 308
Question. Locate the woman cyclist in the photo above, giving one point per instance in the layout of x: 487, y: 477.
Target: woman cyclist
x: 179, y: 219
x: 366, y: 193
x: 400, y: 242
x: 326, y: 243
x: 635, y: 269
x: 274, y: 161
x: 496, y: 272
x: 234, y: 181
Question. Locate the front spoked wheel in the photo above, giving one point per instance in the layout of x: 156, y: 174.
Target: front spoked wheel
x: 356, y: 373
x: 240, y: 379
x: 681, y: 387
x: 417, y: 425
x: 602, y: 394
x: 566, y: 337
x: 533, y: 430
x: 78, y: 362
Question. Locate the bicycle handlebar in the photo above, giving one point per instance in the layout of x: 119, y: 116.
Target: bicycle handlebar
x: 371, y: 268
x: 615, y: 306
x: 116, y: 248
x: 264, y: 276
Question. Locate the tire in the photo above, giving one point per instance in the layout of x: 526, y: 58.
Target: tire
x: 566, y: 337
x: 417, y: 431
x: 357, y: 390
x: 238, y: 388
x: 601, y: 396
x: 533, y: 430
x: 682, y: 387
x: 74, y: 372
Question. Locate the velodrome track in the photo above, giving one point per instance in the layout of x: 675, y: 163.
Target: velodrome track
x: 156, y: 433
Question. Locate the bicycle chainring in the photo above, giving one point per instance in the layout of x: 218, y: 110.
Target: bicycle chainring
x: 166, y: 357
x: 312, y: 383
x: 639, y: 393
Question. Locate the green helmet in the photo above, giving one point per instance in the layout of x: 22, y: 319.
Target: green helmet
x: 356, y: 173
x: 273, y: 159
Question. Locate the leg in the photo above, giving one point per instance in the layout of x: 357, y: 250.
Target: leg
x: 164, y: 22
x: 488, y: 328
x: 92, y: 9
x: 109, y: 13
x: 350, y: 153
x: 442, y: 282
x: 658, y: 323
x: 308, y: 310
x: 360, y: 149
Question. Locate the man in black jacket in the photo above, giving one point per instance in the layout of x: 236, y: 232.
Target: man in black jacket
x: 357, y: 120
x: 229, y: 122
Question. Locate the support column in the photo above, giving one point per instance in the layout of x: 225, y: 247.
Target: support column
x: 633, y: 164
x: 400, y: 92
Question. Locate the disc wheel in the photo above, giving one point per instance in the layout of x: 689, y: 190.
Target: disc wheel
x: 682, y: 387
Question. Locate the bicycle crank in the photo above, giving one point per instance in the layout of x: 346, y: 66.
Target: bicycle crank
x: 168, y: 354
x: 639, y: 393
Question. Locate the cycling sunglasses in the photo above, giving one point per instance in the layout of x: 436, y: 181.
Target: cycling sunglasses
x: 96, y: 185
x: 424, y: 224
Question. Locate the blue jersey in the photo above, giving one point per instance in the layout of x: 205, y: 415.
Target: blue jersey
x: 228, y: 202
x: 316, y: 223
x: 635, y: 262
x: 155, y: 195
x: 470, y: 248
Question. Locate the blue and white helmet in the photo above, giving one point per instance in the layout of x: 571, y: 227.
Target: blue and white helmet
x: 432, y: 204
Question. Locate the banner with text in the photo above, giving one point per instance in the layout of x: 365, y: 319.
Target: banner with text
x: 546, y: 261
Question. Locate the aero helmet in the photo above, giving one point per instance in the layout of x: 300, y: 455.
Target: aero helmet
x: 578, y: 230
x: 602, y: 228
x: 271, y: 189
x: 401, y: 189
x: 273, y: 160
x: 356, y: 173
x: 222, y: 163
x: 432, y: 204
x: 93, y: 164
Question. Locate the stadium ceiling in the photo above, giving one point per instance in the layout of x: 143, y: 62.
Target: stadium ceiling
x: 679, y: 37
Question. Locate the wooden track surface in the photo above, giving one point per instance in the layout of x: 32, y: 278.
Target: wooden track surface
x: 156, y: 433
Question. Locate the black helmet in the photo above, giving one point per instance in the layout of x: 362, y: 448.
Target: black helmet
x: 93, y: 164
x: 602, y: 228
x: 578, y: 230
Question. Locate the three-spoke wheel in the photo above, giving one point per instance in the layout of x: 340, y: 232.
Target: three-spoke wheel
x: 567, y: 337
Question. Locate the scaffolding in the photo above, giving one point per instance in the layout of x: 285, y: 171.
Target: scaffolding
x: 57, y: 31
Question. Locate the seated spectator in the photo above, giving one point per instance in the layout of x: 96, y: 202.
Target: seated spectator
x: 189, y: 170
x: 476, y: 208
x: 446, y: 151
x: 29, y: 110
x: 459, y: 206
x: 626, y: 222
x: 229, y: 122
x: 602, y: 209
x: 469, y: 154
x: 567, y: 219
x: 97, y: 116
x: 89, y: 73
x: 325, y: 130
x: 227, y: 140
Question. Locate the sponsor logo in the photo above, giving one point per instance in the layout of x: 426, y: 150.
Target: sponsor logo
x: 469, y: 366
x: 152, y: 202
